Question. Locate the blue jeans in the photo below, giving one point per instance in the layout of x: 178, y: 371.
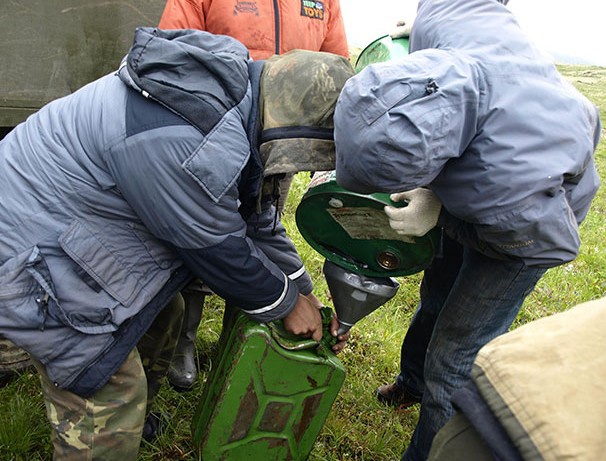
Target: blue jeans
x: 467, y: 299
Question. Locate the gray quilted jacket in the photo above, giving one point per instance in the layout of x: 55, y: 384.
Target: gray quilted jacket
x: 113, y: 197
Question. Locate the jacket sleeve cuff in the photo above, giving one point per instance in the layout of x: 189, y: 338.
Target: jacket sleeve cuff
x: 303, y: 281
x: 280, y: 308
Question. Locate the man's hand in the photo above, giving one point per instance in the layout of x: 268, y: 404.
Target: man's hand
x: 297, y: 322
x: 402, y: 29
x: 334, y: 325
x: 341, y: 339
x: 418, y: 217
x: 314, y: 301
x: 304, y: 320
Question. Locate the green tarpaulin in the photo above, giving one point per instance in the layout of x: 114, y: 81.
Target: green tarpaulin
x: 51, y: 48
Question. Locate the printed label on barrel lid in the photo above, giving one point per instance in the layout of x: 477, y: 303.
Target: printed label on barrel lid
x: 364, y: 223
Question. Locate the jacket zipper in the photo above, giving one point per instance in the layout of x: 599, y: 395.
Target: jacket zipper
x: 277, y: 25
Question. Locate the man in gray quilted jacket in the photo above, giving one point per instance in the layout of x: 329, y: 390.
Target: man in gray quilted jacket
x: 114, y: 197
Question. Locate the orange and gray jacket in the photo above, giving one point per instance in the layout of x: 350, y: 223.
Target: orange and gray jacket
x: 114, y: 196
x: 265, y: 27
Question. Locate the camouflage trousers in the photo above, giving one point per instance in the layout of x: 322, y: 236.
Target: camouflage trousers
x: 12, y: 357
x: 108, y: 425
x: 13, y: 361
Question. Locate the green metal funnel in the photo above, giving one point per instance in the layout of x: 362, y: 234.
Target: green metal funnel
x: 354, y: 295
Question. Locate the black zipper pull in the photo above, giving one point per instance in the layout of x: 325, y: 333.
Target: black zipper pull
x: 431, y: 87
x: 43, y: 304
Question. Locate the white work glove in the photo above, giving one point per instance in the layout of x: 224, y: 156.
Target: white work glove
x: 402, y: 29
x: 418, y: 217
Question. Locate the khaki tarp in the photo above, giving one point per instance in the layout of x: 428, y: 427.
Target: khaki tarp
x: 51, y: 48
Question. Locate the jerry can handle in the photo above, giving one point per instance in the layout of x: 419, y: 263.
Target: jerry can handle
x: 292, y: 342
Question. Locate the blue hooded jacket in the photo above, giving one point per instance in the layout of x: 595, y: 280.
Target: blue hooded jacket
x: 479, y: 115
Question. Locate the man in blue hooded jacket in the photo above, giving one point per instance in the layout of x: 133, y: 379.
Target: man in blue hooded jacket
x: 114, y: 197
x: 480, y: 135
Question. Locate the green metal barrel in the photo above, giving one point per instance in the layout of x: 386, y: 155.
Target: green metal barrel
x: 382, y: 49
x: 353, y: 231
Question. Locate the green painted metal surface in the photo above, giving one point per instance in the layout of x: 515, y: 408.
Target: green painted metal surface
x: 382, y: 49
x: 50, y: 48
x: 268, y: 394
x: 353, y: 231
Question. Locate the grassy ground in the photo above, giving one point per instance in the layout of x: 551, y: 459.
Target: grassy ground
x: 358, y: 428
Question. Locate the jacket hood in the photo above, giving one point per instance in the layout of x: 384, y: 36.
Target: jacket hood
x: 397, y: 123
x: 298, y: 94
x: 470, y: 25
x: 198, y: 75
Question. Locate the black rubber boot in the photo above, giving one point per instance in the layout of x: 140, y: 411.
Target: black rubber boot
x: 183, y: 371
x: 396, y: 396
x: 154, y: 427
x: 6, y: 377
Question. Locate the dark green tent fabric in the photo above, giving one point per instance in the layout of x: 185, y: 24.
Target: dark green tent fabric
x: 51, y: 48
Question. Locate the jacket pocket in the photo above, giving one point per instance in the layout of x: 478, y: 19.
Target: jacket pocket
x: 542, y: 231
x: 383, y: 99
x: 111, y: 274
x: 163, y: 256
x: 25, y: 290
x: 105, y: 267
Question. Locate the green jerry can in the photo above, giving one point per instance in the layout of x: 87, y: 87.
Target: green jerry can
x: 268, y: 394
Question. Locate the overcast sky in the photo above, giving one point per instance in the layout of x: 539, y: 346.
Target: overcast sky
x: 566, y: 29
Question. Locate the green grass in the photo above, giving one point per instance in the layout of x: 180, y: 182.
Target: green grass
x: 358, y: 428
x: 24, y: 429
